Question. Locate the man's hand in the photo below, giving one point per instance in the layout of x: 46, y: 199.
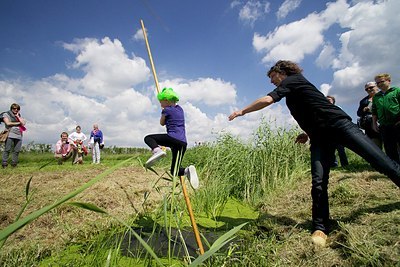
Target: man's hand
x: 235, y: 114
x: 375, y: 127
x: 301, y: 138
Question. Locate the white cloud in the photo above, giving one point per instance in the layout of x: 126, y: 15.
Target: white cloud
x: 253, y: 10
x: 138, y: 36
x: 362, y: 43
x: 326, y: 56
x: 277, y: 115
x: 235, y: 4
x: 325, y: 88
x: 212, y: 92
x: 297, y: 39
x: 287, y: 7
x: 291, y: 41
x: 108, y: 70
x: 368, y: 47
x: 106, y: 94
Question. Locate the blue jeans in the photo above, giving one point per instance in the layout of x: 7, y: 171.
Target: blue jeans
x: 323, y: 145
x: 342, y: 156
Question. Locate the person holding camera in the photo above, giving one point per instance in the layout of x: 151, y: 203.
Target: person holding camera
x: 364, y: 111
x: 65, y: 149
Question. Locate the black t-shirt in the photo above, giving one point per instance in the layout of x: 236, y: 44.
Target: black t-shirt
x: 309, y: 107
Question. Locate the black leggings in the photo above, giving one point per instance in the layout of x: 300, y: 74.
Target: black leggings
x: 154, y: 140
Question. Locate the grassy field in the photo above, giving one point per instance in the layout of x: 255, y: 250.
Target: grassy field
x: 264, y: 183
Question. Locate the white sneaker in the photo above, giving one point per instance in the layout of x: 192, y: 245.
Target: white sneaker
x: 191, y: 174
x: 157, y: 155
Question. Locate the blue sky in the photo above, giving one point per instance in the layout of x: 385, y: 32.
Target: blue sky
x: 84, y: 62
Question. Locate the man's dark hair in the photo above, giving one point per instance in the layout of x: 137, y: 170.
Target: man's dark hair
x: 285, y: 67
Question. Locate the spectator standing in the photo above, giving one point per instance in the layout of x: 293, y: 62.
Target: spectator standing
x: 326, y: 125
x: 386, y: 112
x: 14, y: 123
x: 96, y: 142
x: 364, y: 112
x: 340, y: 148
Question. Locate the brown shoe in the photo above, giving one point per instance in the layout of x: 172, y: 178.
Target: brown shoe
x: 319, y: 238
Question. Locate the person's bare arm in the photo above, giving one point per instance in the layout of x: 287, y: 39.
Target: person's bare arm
x: 375, y: 123
x: 260, y: 103
x: 162, y: 120
x: 10, y: 123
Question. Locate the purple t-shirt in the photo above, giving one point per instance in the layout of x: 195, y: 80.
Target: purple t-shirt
x: 175, y: 122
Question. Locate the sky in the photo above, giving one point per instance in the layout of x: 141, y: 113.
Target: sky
x: 77, y: 62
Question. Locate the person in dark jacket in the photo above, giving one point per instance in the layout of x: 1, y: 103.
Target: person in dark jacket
x: 340, y: 148
x: 327, y: 125
x: 364, y: 112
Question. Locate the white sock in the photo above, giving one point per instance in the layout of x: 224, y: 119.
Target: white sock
x: 157, y: 149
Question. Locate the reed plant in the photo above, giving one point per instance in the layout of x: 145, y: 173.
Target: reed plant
x: 248, y: 170
x: 109, y: 253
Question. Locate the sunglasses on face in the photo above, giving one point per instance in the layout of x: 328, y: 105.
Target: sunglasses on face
x: 369, y: 88
x: 379, y: 82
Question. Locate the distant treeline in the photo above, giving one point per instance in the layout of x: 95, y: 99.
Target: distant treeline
x: 33, y: 147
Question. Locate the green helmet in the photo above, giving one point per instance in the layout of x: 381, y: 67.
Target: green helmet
x: 168, y: 94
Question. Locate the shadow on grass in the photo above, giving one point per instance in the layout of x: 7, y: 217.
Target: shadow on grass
x: 179, y: 242
x: 355, y: 167
x: 280, y: 227
x: 385, y: 208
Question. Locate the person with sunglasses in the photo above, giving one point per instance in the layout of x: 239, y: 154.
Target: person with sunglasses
x: 364, y: 112
x: 386, y: 112
x: 15, y: 125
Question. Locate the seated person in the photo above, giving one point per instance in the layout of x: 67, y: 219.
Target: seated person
x: 78, y: 138
x: 65, y: 149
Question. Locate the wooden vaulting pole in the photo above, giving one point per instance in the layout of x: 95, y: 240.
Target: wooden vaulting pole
x: 185, y: 193
x: 192, y: 220
x: 150, y: 57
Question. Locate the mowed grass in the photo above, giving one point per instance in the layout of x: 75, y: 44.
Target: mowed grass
x: 269, y: 175
x: 365, y: 214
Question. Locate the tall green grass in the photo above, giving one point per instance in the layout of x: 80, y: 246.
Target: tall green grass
x: 248, y: 170
x: 109, y: 253
x: 228, y: 168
